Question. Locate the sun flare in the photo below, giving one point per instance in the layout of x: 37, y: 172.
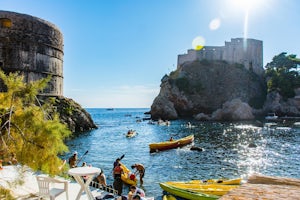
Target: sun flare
x: 198, y: 43
x: 246, y: 4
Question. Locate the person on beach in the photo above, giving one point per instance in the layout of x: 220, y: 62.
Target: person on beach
x: 140, y: 169
x: 118, y: 183
x: 101, y: 178
x: 13, y: 159
x: 133, y: 190
x: 73, y: 160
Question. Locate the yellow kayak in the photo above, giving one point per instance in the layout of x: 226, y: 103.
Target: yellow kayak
x: 126, y: 176
x: 161, y: 146
x: 211, y: 189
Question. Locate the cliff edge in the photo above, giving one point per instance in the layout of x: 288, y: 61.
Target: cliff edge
x: 211, y: 89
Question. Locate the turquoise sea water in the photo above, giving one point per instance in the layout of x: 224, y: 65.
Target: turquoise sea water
x: 231, y: 150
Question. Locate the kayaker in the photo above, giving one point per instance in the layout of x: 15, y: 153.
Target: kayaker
x: 116, y: 162
x: 140, y: 169
x: 118, y: 183
x: 73, y: 160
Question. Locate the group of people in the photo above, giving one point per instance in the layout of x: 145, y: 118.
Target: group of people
x: 135, y: 193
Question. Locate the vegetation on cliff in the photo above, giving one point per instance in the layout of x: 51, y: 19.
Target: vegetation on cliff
x: 204, y: 86
x: 26, y: 128
x: 283, y: 75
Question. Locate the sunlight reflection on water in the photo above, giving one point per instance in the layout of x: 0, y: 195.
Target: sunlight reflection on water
x: 230, y: 149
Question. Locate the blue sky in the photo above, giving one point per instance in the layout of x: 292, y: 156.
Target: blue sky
x: 117, y: 51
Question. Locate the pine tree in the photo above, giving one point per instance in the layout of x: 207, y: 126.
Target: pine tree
x: 26, y: 129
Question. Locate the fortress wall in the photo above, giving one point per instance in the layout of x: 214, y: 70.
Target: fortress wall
x: 247, y: 52
x: 190, y: 56
x: 33, y: 47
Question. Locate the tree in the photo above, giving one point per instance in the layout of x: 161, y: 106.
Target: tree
x: 26, y: 129
x: 283, y: 74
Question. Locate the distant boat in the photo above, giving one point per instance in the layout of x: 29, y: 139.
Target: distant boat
x: 109, y: 109
x: 131, y: 133
x: 271, y: 116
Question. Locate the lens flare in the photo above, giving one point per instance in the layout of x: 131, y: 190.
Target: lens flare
x: 198, y: 43
x: 214, y: 24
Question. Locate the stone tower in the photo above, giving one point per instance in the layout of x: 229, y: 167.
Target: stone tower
x: 33, y: 47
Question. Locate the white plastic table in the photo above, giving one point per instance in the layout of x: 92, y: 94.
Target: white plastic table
x: 89, y: 173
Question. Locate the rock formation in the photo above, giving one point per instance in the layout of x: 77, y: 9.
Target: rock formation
x: 201, y: 89
x: 71, y: 113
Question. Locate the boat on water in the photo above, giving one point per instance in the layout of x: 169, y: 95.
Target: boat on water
x: 211, y: 188
x: 187, y: 194
x: 271, y: 116
x: 128, y: 177
x: 161, y: 146
x: 131, y: 133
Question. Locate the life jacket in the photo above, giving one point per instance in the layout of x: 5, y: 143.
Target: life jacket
x: 118, y: 170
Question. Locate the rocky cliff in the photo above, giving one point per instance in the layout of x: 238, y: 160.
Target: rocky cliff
x: 203, y: 88
x: 71, y: 113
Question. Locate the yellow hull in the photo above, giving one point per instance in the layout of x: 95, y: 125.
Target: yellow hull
x: 125, y: 176
x: 212, y: 189
x: 161, y: 146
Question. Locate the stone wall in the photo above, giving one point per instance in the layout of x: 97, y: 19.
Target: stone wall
x: 248, y: 52
x: 32, y: 46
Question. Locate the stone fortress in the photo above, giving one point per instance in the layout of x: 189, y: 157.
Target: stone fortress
x: 33, y: 47
x: 248, y: 52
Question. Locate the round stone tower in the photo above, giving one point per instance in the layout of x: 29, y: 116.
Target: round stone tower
x: 33, y: 47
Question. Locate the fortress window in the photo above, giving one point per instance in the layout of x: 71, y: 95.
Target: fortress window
x: 5, y: 23
x: 1, y: 64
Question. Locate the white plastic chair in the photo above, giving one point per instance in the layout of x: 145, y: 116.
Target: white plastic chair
x: 47, y: 187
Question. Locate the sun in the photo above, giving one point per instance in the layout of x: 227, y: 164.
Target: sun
x: 246, y: 4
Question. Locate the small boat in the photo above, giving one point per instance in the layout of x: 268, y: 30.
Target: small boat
x: 131, y: 133
x: 187, y: 194
x: 236, y: 181
x: 161, y: 146
x: 211, y: 188
x: 271, y: 116
x: 127, y: 176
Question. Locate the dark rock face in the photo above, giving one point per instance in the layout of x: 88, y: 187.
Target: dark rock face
x: 71, y: 113
x: 276, y: 104
x: 203, y: 87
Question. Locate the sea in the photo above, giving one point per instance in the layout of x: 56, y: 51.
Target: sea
x: 229, y: 149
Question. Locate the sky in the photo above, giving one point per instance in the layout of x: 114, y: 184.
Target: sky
x: 117, y: 51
